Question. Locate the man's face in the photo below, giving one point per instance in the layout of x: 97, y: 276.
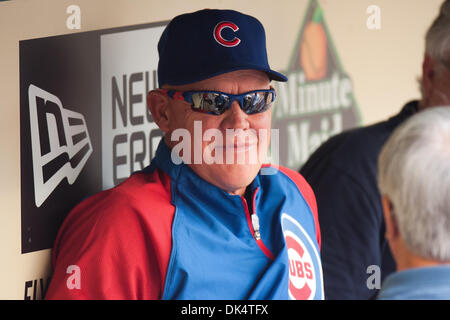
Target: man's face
x: 238, y: 130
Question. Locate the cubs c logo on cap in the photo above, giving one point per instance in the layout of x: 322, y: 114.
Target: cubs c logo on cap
x: 305, y: 268
x: 218, y: 34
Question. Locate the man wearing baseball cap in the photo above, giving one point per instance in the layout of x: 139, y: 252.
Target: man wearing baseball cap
x: 205, y: 220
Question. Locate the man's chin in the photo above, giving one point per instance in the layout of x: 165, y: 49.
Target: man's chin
x: 232, y: 178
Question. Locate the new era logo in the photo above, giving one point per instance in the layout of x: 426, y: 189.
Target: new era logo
x: 60, y: 143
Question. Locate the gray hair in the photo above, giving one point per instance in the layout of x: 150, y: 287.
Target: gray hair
x: 437, y: 39
x: 414, y: 173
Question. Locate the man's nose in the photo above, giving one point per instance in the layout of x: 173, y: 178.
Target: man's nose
x: 236, y: 118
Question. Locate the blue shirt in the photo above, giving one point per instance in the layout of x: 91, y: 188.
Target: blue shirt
x: 428, y: 283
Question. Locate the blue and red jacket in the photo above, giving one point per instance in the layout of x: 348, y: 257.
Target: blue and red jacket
x: 165, y: 233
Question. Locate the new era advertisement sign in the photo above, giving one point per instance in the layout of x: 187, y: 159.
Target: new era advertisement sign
x: 84, y: 122
x: 128, y: 72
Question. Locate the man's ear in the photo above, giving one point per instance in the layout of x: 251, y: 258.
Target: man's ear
x: 428, y: 74
x: 158, y: 105
x: 392, y: 231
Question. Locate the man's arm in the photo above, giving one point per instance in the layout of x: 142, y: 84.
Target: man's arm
x: 105, y: 250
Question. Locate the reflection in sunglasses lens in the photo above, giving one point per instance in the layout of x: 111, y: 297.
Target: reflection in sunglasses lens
x: 218, y: 103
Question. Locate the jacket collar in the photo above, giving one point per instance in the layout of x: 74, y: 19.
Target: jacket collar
x: 408, y: 110
x: 191, y: 183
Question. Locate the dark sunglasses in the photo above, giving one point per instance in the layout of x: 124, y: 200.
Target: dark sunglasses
x: 216, y: 102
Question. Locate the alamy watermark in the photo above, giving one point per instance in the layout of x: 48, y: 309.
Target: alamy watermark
x: 374, y: 19
x: 236, y: 146
x: 73, y: 21
x: 74, y: 280
x: 374, y: 280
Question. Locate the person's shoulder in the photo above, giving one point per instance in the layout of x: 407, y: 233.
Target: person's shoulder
x: 295, y: 180
x: 360, y: 141
x: 353, y: 149
x: 295, y: 177
x: 144, y: 187
x: 141, y: 198
x: 289, y: 178
x: 140, y: 190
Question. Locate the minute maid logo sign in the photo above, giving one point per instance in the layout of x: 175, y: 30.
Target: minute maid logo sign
x: 317, y: 101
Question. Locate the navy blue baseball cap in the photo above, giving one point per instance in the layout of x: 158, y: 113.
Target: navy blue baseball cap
x: 206, y: 43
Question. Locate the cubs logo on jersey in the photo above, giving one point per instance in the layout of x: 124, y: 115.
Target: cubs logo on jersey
x: 305, y: 268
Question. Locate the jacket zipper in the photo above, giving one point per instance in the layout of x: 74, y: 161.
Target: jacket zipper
x: 253, y: 223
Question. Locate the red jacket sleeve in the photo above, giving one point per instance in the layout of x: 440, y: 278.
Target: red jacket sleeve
x: 115, y: 245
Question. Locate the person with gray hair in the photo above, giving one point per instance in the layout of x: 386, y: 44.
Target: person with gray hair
x: 343, y: 175
x: 414, y: 181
